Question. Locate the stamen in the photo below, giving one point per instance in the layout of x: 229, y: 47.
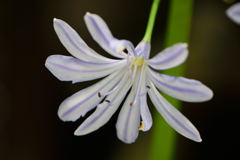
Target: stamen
x: 138, y: 85
x: 107, y: 101
x: 99, y: 95
x: 131, y: 104
x: 125, y: 50
x: 148, y: 86
x: 111, y: 91
x: 129, y: 64
x: 141, y: 127
x: 134, y: 72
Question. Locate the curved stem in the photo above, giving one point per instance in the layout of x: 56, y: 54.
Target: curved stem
x: 151, y: 21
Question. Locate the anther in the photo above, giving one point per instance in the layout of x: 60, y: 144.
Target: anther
x: 125, y: 51
x: 141, y: 127
x: 148, y: 86
x: 131, y: 104
x: 99, y: 95
x: 107, y: 101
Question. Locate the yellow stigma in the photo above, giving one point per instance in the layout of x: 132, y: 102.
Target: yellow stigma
x: 141, y: 127
x: 138, y: 61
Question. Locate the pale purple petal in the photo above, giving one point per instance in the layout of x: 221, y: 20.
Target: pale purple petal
x: 67, y: 68
x: 234, y: 13
x: 103, y: 36
x: 129, y: 120
x: 172, y: 116
x: 83, y: 101
x: 170, y: 57
x: 181, y: 88
x: 106, y: 109
x: 74, y: 43
x: 143, y: 49
x: 146, y: 117
x: 145, y: 113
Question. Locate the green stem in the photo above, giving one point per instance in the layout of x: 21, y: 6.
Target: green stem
x: 178, y: 29
x: 151, y: 20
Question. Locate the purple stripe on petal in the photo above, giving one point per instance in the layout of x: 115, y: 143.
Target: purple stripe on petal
x: 72, y: 41
x: 126, y: 127
x: 68, y: 36
x: 176, y: 120
x: 97, y: 63
x: 70, y: 59
x: 170, y: 58
x: 96, y: 118
x: 186, y: 90
x: 113, y: 103
x: 172, y: 116
x: 64, y: 67
x: 87, y: 98
x: 237, y: 13
x: 98, y: 29
x: 179, y: 122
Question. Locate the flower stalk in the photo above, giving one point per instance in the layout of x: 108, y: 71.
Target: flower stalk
x: 151, y: 21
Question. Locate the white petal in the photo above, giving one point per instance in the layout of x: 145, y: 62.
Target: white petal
x: 143, y: 49
x: 146, y: 117
x: 103, y: 36
x: 105, y: 110
x: 234, y: 13
x: 83, y: 101
x: 128, y: 122
x: 172, y: 116
x: 129, y: 119
x: 181, y: 88
x: 170, y: 57
x: 145, y: 114
x: 67, y: 68
x: 74, y: 43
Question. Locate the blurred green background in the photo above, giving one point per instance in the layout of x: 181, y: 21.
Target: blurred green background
x: 30, y: 95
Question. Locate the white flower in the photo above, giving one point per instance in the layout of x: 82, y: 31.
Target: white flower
x: 234, y: 13
x: 133, y: 70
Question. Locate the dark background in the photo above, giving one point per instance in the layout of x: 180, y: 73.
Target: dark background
x: 30, y: 94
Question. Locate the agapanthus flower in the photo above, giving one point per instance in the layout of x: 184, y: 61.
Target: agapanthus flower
x: 234, y: 13
x: 132, y: 75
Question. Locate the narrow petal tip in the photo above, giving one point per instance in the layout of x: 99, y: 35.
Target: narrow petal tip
x: 207, y: 94
x: 128, y: 141
x: 234, y: 13
x: 184, y: 45
x: 196, y: 137
x: 88, y: 13
x: 48, y: 62
x: 63, y: 114
x: 55, y: 20
x: 75, y: 133
x: 199, y: 140
x: 210, y: 94
x: 78, y: 132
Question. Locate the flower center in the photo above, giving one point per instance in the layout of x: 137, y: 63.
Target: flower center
x: 138, y: 61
